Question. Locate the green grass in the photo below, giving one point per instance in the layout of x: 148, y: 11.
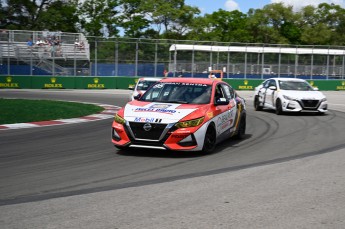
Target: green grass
x: 23, y: 110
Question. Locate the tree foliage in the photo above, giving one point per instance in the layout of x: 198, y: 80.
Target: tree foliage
x: 173, y: 19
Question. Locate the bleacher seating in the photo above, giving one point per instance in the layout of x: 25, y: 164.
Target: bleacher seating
x: 45, y: 57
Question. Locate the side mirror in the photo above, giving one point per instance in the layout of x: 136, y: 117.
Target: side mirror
x: 221, y: 101
x: 272, y: 88
x: 137, y: 97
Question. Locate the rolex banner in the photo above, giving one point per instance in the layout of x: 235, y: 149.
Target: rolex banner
x: 15, y: 82
x: 90, y: 82
x: 52, y: 82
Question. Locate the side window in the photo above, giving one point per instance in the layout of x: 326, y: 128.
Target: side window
x: 266, y: 84
x: 228, y: 91
x: 272, y: 83
x: 218, y: 92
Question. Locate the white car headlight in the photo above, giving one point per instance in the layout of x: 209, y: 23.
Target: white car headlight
x: 288, y: 97
x: 323, y: 100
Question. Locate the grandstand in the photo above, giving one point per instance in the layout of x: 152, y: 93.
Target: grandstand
x: 48, y: 60
x: 152, y: 57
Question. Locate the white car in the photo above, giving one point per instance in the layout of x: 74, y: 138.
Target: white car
x: 142, y: 85
x: 289, y: 95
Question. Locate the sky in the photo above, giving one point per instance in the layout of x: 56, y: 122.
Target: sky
x: 209, y: 6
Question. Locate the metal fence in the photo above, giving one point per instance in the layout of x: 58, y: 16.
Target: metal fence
x: 149, y: 57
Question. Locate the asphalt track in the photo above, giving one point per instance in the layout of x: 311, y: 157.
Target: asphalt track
x: 45, y: 163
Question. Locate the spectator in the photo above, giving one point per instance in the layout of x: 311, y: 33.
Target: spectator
x: 39, y: 42
x: 30, y: 43
x: 76, y: 43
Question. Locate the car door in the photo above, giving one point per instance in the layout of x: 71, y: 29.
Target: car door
x: 272, y: 88
x: 225, y: 113
x: 266, y: 93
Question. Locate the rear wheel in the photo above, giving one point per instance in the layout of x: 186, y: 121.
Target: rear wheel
x: 257, y: 105
x: 210, y: 140
x: 279, y: 108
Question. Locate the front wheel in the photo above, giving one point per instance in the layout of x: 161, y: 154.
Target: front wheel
x: 257, y: 105
x: 210, y: 140
x: 279, y: 108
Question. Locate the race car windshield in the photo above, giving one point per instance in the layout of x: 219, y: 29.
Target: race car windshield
x: 295, y: 85
x: 178, y: 93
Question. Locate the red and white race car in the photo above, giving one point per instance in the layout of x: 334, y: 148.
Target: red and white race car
x: 181, y: 114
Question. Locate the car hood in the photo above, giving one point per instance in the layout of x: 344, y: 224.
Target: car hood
x: 315, y: 95
x: 137, y: 111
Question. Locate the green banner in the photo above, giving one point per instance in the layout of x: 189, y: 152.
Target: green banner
x: 87, y: 82
x: 126, y: 82
x: 328, y: 85
x: 96, y: 82
x: 15, y: 82
x: 53, y: 82
x: 243, y: 84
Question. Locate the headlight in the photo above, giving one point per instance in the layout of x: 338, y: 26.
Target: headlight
x: 119, y: 119
x: 288, y: 97
x: 323, y: 100
x: 190, y: 123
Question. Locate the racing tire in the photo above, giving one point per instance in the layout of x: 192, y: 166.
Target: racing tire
x: 279, y: 108
x: 210, y: 140
x: 257, y: 105
x: 241, y: 128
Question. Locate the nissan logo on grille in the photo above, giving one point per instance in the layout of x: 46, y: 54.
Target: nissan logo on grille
x: 147, y: 127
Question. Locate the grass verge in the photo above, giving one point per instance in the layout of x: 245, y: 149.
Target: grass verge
x: 24, y: 110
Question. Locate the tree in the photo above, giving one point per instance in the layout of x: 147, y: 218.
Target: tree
x: 133, y: 20
x: 39, y: 15
x: 168, y: 16
x: 275, y: 23
x: 98, y: 18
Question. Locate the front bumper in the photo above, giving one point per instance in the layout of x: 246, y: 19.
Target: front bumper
x: 305, y: 106
x: 165, y: 137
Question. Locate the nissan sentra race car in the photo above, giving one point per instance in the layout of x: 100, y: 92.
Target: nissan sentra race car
x: 289, y: 95
x: 181, y: 114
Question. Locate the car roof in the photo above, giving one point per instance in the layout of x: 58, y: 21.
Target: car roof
x: 289, y: 79
x: 150, y: 78
x: 189, y: 80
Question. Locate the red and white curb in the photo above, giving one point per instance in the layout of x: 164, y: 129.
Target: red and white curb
x: 109, y: 112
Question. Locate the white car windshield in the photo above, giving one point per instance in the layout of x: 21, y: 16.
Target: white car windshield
x: 295, y: 85
x: 178, y: 93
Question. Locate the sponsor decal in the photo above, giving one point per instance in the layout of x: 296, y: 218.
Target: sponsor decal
x: 246, y: 86
x: 223, y: 120
x: 96, y: 84
x: 179, y: 136
x: 158, y: 108
x: 210, y: 114
x: 140, y: 119
x: 9, y: 83
x: 342, y: 87
x: 53, y: 84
